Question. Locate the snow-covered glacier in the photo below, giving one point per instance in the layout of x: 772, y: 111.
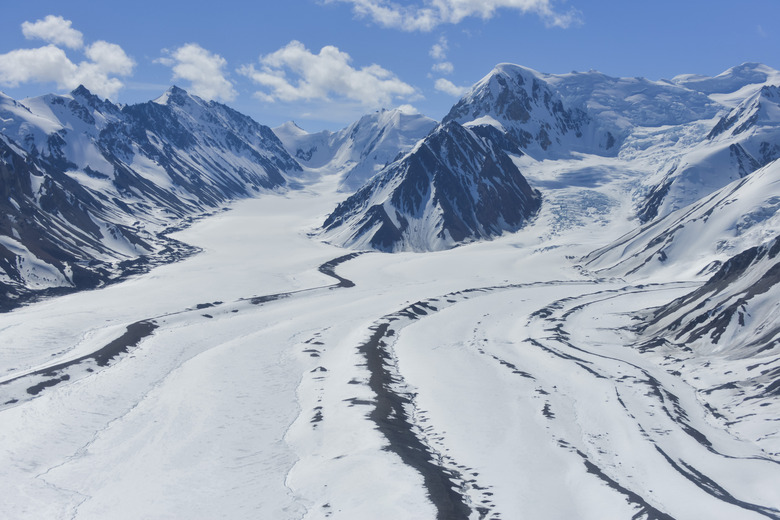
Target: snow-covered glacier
x: 612, y: 353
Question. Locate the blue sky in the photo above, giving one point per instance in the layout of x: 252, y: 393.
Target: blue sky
x: 323, y: 63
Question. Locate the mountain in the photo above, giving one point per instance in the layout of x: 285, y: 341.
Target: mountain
x: 730, y: 81
x: 89, y: 186
x: 619, y: 104
x: 360, y: 150
x: 689, y: 136
x: 610, y: 359
x: 736, y: 307
x: 451, y: 188
x: 698, y: 238
x: 740, y: 142
x: 520, y: 103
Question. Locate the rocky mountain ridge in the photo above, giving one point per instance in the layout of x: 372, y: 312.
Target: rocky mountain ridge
x: 90, y: 187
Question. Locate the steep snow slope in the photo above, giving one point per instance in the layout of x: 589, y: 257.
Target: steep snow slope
x: 451, y: 188
x: 699, y: 237
x: 360, y: 150
x: 745, y: 139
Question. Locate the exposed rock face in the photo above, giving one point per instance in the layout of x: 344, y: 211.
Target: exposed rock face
x: 452, y: 188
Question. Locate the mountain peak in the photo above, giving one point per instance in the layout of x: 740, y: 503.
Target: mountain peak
x: 290, y: 128
x: 760, y: 109
x: 523, y: 103
x: 449, y: 189
x: 173, y: 96
x: 82, y: 91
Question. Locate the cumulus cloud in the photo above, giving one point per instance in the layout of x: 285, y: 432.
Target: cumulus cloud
x: 110, y: 58
x: 439, y: 49
x: 50, y: 63
x: 408, y: 109
x: 439, y: 53
x: 54, y: 29
x: 448, y: 87
x: 444, y: 67
x: 204, y: 71
x: 437, y: 12
x: 294, y: 73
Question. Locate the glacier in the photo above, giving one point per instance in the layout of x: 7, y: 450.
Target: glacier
x: 612, y: 355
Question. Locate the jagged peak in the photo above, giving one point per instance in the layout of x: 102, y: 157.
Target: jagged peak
x: 771, y: 92
x: 506, y: 79
x: 82, y: 91
x: 174, y: 96
x: 448, y: 132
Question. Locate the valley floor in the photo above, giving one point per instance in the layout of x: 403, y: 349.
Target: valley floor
x: 494, y: 380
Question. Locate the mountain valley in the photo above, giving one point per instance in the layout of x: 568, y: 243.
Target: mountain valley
x: 558, y: 302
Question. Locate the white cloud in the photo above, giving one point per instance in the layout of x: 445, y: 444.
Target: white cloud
x: 444, y: 67
x: 439, y: 50
x: 390, y: 14
x: 437, y: 12
x: 439, y: 53
x: 110, y: 58
x: 448, y: 87
x: 294, y: 73
x: 54, y: 29
x: 50, y: 63
x: 408, y: 110
x: 44, y: 64
x: 203, y: 69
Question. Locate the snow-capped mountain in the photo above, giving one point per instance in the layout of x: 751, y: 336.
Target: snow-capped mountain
x: 361, y: 150
x: 691, y: 135
x: 92, y: 184
x: 735, y: 83
x: 451, y: 188
x: 520, y: 103
x: 583, y: 364
x: 696, y: 239
x: 743, y: 140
